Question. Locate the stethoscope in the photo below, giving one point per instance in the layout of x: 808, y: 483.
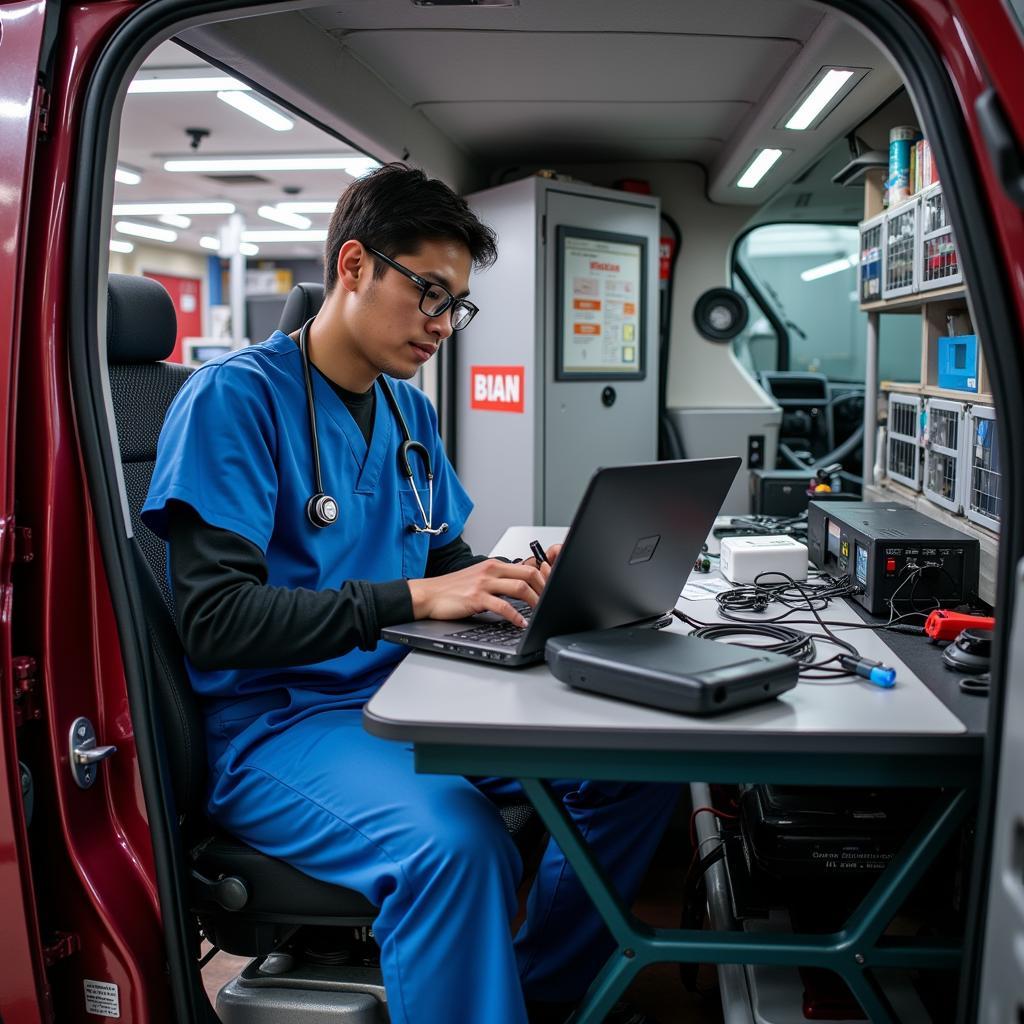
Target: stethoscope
x: 322, y: 509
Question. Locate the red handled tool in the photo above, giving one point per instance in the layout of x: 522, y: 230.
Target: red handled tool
x: 943, y: 625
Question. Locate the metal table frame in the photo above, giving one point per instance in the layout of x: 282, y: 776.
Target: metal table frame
x: 853, y: 952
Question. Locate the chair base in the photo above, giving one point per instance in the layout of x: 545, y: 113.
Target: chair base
x: 306, y: 994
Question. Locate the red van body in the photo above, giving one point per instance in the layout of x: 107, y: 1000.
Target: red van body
x: 82, y: 901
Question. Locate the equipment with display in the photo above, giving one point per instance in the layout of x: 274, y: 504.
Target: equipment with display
x: 903, y: 559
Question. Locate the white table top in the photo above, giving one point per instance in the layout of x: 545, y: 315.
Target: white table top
x: 450, y: 700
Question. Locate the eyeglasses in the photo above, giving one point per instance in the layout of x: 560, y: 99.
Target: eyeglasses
x: 434, y: 298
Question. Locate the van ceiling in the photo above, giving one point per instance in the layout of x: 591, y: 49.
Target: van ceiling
x: 467, y: 90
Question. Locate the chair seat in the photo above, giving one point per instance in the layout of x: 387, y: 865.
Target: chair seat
x: 279, y: 891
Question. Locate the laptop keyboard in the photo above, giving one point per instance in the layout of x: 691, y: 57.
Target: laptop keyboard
x: 503, y: 634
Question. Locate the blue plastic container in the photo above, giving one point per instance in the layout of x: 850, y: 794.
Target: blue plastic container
x: 958, y: 362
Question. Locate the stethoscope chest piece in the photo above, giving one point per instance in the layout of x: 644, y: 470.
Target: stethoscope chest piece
x: 322, y: 510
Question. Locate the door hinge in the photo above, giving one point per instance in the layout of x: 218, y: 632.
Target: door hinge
x: 23, y: 551
x: 26, y: 706
x: 43, y: 108
x: 64, y: 944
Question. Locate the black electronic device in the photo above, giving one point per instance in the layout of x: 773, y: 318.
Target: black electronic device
x: 970, y: 652
x: 896, y: 554
x: 671, y: 671
x: 792, y: 832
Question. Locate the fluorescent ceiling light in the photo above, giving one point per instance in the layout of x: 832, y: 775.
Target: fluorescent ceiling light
x: 759, y: 167
x: 175, y: 220
x: 126, y: 176
x: 259, y: 111
x: 832, y: 267
x: 183, y: 83
x: 354, y: 165
x: 298, y: 206
x: 285, y: 236
x: 188, y: 209
x: 245, y: 248
x: 818, y: 98
x: 127, y: 227
x: 292, y: 220
x: 116, y: 245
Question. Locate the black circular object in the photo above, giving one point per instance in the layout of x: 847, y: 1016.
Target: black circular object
x: 608, y: 396
x: 720, y: 314
x: 970, y: 652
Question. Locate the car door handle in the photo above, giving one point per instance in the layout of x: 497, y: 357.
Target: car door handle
x: 1003, y: 149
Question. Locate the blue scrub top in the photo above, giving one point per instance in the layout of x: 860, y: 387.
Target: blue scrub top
x: 236, y: 447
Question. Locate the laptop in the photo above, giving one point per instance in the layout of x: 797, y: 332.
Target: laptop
x: 631, y: 546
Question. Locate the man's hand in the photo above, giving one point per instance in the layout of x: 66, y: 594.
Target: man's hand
x: 483, y: 587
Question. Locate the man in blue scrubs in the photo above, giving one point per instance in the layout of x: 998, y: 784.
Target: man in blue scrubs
x: 281, y: 621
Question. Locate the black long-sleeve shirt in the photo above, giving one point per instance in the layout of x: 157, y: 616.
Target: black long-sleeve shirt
x: 228, y: 616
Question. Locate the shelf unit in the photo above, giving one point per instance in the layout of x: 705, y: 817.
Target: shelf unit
x: 935, y: 304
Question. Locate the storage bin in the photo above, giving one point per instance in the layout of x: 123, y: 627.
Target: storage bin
x: 899, y: 260
x: 983, y: 497
x: 903, y: 447
x: 870, y: 269
x: 943, y: 453
x: 938, y: 257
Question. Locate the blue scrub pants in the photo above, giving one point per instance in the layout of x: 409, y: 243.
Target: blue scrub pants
x: 432, y: 853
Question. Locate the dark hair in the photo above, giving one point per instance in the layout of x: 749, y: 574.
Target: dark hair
x: 395, y: 208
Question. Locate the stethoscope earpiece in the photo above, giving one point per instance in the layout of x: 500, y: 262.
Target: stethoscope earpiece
x: 321, y: 509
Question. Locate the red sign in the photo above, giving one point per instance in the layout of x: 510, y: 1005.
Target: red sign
x: 497, y: 388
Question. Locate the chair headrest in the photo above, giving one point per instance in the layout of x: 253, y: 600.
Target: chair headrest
x: 141, y: 322
x: 303, y: 301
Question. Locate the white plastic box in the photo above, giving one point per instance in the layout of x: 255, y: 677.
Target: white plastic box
x: 743, y: 558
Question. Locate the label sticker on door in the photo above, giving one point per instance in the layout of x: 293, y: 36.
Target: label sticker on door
x: 102, y: 999
x: 496, y: 388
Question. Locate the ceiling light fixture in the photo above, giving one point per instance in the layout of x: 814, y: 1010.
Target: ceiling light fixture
x: 298, y: 206
x: 126, y: 176
x: 256, y: 109
x: 175, y: 220
x: 209, y: 242
x: 822, y: 93
x: 127, y: 227
x: 832, y: 267
x: 354, y: 165
x: 762, y: 163
x: 116, y: 245
x: 248, y: 249
x: 314, y: 235
x: 292, y: 220
x: 181, y: 83
x: 155, y: 209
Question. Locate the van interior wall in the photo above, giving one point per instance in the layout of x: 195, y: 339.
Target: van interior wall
x: 714, y: 402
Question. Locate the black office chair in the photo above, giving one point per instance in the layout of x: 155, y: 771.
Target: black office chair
x: 246, y: 902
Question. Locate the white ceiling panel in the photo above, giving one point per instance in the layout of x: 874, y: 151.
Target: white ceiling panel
x: 723, y: 17
x: 554, y: 130
x: 441, y: 65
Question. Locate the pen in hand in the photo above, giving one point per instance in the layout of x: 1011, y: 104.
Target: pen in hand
x: 538, y: 552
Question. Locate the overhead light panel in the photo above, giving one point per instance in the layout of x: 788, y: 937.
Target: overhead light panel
x: 178, y: 82
x: 354, y: 165
x: 209, y: 242
x: 182, y: 209
x: 832, y: 267
x: 762, y: 163
x: 248, y: 249
x: 292, y: 220
x: 116, y: 245
x: 126, y: 176
x: 176, y: 220
x: 257, y: 110
x: 298, y: 206
x: 828, y: 86
x: 127, y: 227
x: 314, y: 235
